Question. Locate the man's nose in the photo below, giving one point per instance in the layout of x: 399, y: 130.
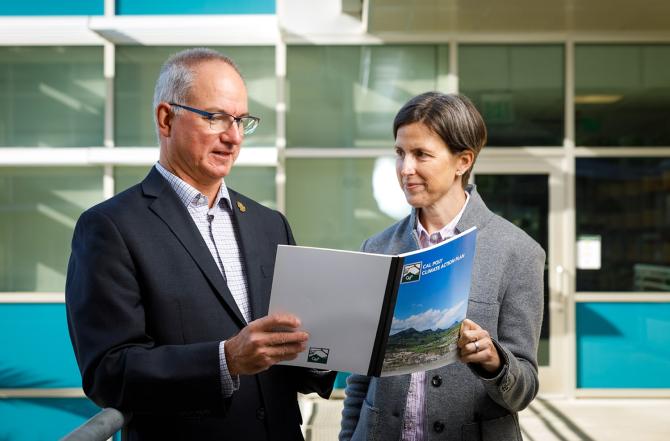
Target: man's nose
x: 233, y: 134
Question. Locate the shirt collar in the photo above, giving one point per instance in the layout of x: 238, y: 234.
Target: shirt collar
x: 446, y: 231
x: 187, y: 194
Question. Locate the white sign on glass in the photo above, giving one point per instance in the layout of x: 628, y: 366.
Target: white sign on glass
x: 588, y: 252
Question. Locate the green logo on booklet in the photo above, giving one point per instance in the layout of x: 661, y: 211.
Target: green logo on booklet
x: 318, y: 355
x: 411, y: 272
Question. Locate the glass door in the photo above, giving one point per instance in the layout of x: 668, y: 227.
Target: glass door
x: 530, y: 193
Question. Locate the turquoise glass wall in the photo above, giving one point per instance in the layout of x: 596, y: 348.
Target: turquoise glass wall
x: 36, y: 350
x: 38, y: 419
x: 623, y: 345
x: 135, y: 7
x: 156, y: 7
x: 36, y: 354
x: 51, y: 7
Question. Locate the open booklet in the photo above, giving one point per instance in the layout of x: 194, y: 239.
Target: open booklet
x: 376, y: 314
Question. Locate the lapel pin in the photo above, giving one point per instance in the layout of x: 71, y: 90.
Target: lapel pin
x: 241, y: 206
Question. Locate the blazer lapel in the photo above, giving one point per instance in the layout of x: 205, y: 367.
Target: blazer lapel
x: 476, y: 213
x: 170, y: 209
x: 248, y: 241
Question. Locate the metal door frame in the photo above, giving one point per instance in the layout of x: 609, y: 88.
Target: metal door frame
x: 558, y: 376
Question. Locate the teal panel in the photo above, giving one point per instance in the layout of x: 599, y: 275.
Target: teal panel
x: 341, y: 380
x: 36, y: 350
x: 51, y: 7
x: 623, y: 345
x: 161, y: 7
x: 38, y: 419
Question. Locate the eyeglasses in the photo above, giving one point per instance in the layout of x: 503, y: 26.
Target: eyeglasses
x: 221, y: 121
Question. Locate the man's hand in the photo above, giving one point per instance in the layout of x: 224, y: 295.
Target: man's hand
x: 259, y: 345
x: 476, y: 347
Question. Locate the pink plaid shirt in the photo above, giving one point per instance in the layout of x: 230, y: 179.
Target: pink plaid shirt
x: 415, y: 409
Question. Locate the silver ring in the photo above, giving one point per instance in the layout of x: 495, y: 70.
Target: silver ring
x: 476, y: 346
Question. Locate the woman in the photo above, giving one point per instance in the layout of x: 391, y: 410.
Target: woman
x: 437, y: 140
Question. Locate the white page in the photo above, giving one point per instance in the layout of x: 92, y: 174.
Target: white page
x: 339, y: 309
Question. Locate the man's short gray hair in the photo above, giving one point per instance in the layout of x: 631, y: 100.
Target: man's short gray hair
x: 177, y: 73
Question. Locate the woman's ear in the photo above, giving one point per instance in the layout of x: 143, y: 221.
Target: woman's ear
x: 164, y: 119
x: 465, y: 161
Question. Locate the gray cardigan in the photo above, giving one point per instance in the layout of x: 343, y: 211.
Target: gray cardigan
x: 506, y: 299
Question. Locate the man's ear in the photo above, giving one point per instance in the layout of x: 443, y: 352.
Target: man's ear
x: 164, y: 119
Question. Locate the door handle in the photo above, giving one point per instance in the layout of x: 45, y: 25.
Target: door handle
x: 561, y: 273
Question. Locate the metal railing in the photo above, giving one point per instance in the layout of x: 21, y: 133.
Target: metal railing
x: 101, y: 427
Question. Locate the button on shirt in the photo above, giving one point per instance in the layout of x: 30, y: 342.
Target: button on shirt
x: 219, y: 232
x: 415, y: 408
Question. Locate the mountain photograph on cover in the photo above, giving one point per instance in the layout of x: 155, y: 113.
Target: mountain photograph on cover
x: 428, y: 314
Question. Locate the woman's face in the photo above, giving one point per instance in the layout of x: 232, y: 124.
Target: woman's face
x: 426, y: 169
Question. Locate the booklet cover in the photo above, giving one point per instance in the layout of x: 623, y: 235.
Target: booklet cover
x: 376, y: 314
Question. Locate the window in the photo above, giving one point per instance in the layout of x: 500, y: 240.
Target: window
x: 40, y: 207
x: 337, y: 203
x: 51, y: 96
x: 622, y: 95
x: 137, y: 69
x: 519, y: 91
x: 346, y: 96
x: 623, y: 216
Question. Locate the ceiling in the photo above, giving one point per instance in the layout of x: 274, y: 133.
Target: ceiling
x: 491, y: 16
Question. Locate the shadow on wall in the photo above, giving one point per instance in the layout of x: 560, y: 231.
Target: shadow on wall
x: 592, y: 323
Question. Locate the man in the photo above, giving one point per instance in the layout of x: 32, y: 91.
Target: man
x: 169, y: 282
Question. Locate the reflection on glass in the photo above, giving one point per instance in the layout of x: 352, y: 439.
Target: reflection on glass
x: 519, y: 90
x: 258, y: 183
x: 330, y: 202
x: 622, y: 95
x: 387, y: 193
x: 625, y: 202
x: 137, y: 69
x: 347, y: 96
x: 51, y: 96
x: 40, y: 207
x: 524, y: 201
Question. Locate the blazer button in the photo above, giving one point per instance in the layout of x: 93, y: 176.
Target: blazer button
x: 438, y: 426
x: 436, y: 381
x: 260, y: 413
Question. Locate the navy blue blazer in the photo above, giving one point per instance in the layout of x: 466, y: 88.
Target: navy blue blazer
x: 147, y: 307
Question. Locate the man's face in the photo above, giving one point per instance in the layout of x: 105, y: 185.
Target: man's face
x: 194, y: 151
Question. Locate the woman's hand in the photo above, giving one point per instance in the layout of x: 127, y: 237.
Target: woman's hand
x: 476, y: 347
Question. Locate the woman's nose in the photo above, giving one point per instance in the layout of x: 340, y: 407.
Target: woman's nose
x: 406, y: 167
